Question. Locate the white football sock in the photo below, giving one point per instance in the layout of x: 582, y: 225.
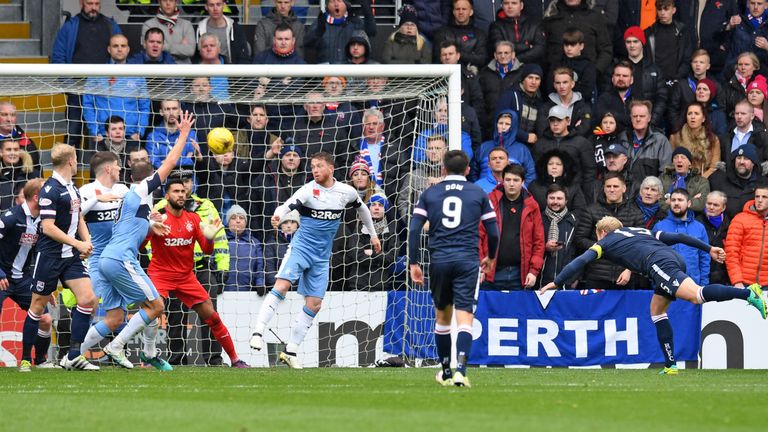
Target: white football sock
x: 301, y: 326
x: 149, y: 337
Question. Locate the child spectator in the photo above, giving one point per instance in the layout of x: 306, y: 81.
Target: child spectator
x: 246, y: 264
x: 276, y: 246
x: 585, y: 73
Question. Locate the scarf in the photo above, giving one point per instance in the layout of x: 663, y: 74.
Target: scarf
x: 556, y: 217
x: 698, y: 144
x: 716, y: 221
x: 284, y: 54
x: 380, y: 226
x: 115, y: 148
x: 648, y: 211
x: 756, y: 22
x: 744, y: 81
x: 366, y: 155
x: 503, y: 69
x: 679, y: 183
x: 335, y: 21
x: 168, y: 21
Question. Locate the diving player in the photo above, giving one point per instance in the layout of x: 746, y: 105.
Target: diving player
x: 641, y: 251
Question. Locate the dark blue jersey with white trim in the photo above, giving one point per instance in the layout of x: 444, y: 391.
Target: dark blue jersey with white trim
x: 454, y: 208
x: 18, y: 235
x: 60, y: 201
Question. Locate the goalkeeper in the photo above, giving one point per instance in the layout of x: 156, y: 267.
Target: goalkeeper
x: 171, y: 268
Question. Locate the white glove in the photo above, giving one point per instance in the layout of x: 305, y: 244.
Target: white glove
x: 210, y: 229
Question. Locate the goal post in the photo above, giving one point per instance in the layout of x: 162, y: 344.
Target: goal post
x: 358, y: 323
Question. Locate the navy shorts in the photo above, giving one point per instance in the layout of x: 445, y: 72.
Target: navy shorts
x: 49, y: 270
x: 19, y: 291
x: 667, y: 272
x: 454, y: 283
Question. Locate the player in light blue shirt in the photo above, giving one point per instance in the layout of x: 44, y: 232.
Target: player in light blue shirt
x: 321, y: 204
x: 125, y: 282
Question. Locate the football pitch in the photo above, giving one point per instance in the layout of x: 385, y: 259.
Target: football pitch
x: 394, y: 400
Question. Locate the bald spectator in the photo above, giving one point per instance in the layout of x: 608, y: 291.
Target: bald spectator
x: 716, y: 222
x: 10, y: 129
x: 179, y: 35
x: 83, y: 39
x: 498, y: 75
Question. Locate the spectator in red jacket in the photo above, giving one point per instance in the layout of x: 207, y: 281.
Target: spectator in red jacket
x: 521, y: 248
x: 746, y: 246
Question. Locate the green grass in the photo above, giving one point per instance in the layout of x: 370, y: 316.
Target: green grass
x: 393, y: 400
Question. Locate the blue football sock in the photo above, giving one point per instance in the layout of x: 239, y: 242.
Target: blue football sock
x: 463, y: 348
x: 664, y: 334
x: 42, y: 343
x: 443, y: 342
x: 29, y: 335
x: 718, y: 292
x: 81, y: 322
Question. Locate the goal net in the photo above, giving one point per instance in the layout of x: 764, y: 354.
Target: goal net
x: 386, y: 126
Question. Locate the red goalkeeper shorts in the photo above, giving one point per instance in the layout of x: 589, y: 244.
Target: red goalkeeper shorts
x: 186, y: 288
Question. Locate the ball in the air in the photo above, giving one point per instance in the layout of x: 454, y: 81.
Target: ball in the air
x: 220, y: 140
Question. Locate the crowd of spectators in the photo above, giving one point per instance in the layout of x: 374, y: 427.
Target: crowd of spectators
x: 572, y: 110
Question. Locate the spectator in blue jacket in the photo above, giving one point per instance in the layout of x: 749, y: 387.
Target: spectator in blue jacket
x: 681, y: 220
x: 246, y: 263
x: 440, y: 127
x: 504, y: 136
x: 133, y: 106
x: 82, y: 47
x: 277, y: 243
x: 163, y: 137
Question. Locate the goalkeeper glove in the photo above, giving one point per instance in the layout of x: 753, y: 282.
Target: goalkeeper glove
x: 210, y: 229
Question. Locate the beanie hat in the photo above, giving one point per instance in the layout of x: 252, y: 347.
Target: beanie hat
x: 683, y: 151
x: 759, y: 83
x: 635, y: 32
x: 291, y: 216
x: 236, y: 210
x: 290, y: 148
x: 532, y: 69
x: 359, y: 164
x: 407, y: 14
x: 749, y: 151
x: 711, y: 85
x: 379, y: 198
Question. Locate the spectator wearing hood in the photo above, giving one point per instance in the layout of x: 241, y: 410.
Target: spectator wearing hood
x: 332, y: 30
x: 559, y: 136
x: 739, y: 179
x: 406, y: 45
x: 557, y: 167
x: 461, y: 29
x: 276, y: 246
x: 282, y: 14
x: 498, y: 75
x: 513, y: 24
x: 246, y: 263
x: 503, y: 136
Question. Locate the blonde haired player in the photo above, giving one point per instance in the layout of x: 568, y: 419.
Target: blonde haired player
x: 641, y: 251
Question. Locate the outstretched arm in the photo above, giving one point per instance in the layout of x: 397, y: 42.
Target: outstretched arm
x: 670, y: 238
x: 185, y: 126
x: 572, y: 269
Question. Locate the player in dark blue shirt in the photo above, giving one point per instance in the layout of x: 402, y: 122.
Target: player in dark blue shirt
x: 18, y: 235
x: 63, y: 243
x: 649, y: 254
x: 454, y: 209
